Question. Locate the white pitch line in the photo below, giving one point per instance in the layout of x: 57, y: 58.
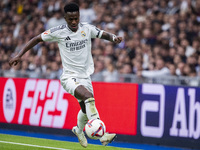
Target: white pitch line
x: 33, y: 145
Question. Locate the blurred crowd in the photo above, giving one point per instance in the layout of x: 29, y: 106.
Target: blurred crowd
x: 160, y: 37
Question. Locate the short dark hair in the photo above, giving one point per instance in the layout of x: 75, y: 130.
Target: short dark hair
x: 71, y: 7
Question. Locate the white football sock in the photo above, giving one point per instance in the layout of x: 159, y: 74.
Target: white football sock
x: 82, y: 120
x: 91, y: 110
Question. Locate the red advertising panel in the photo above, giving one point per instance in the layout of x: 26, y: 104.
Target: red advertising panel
x: 42, y: 102
x: 117, y: 106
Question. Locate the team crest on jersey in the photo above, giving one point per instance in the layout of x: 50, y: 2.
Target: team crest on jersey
x: 83, y: 34
x: 46, y: 32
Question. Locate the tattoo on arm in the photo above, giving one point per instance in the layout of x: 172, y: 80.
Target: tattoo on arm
x: 107, y: 36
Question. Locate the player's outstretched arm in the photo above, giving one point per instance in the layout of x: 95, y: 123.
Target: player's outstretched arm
x: 34, y: 41
x: 111, y: 37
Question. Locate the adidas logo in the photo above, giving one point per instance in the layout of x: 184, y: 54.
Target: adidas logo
x: 67, y: 38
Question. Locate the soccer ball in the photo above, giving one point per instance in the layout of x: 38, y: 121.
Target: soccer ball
x: 95, y: 129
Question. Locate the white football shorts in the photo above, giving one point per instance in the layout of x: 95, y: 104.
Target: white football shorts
x: 71, y: 83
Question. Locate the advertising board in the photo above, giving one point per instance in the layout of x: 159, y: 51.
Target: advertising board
x: 44, y: 103
x: 146, y: 113
x: 169, y: 114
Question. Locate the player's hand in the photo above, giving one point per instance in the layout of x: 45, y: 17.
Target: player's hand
x: 14, y: 61
x: 117, y: 39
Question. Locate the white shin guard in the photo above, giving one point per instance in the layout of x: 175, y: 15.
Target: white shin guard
x: 91, y: 110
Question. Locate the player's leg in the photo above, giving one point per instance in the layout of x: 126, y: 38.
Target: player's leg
x: 82, y: 94
x: 89, y: 107
x: 78, y: 130
x: 81, y: 118
x: 87, y: 97
x: 70, y: 84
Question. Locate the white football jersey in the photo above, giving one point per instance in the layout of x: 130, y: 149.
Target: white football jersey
x: 75, y: 48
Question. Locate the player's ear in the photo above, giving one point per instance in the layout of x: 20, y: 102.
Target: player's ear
x: 65, y: 16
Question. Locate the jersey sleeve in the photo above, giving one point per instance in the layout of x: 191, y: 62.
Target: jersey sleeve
x: 50, y: 35
x: 95, y: 32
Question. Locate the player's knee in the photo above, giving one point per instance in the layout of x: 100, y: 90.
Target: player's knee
x: 82, y: 93
x: 88, y: 95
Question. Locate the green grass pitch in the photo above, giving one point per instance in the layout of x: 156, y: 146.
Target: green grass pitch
x: 13, y: 142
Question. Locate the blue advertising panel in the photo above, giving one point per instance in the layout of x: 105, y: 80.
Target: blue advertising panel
x: 169, y: 115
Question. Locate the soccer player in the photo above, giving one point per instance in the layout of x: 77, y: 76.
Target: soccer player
x: 74, y: 42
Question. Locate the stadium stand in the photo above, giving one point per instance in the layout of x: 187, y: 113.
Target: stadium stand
x: 161, y: 39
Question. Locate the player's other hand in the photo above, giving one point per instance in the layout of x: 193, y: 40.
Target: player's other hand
x: 117, y: 39
x: 14, y: 61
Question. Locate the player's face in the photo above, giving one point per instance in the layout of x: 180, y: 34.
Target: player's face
x: 72, y: 19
